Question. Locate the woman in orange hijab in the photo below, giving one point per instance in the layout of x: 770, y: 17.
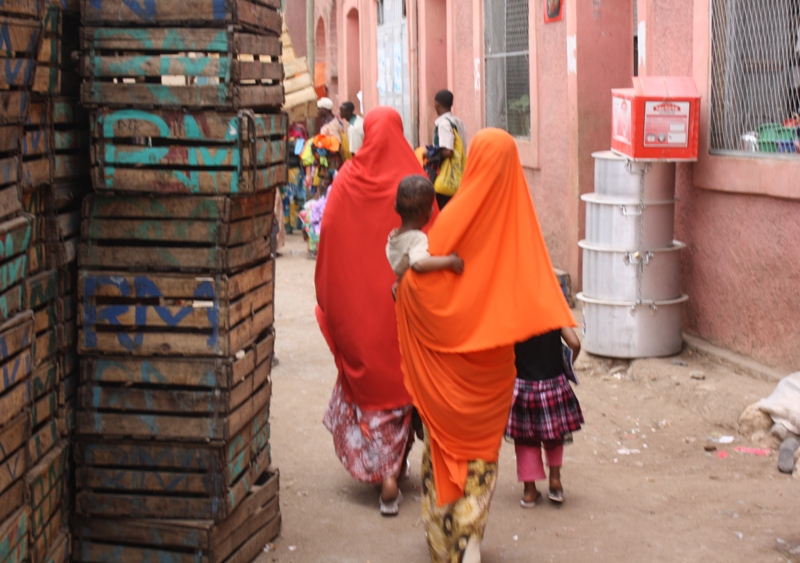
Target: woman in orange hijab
x: 369, y: 413
x: 457, y: 336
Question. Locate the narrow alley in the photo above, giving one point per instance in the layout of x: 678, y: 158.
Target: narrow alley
x: 638, y: 481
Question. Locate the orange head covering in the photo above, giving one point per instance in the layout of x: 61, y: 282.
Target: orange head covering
x: 353, y: 279
x: 457, y: 333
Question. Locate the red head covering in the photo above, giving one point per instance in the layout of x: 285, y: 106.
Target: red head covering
x: 354, y: 280
x: 457, y: 332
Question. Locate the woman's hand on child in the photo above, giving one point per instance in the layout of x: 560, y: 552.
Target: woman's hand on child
x: 456, y: 263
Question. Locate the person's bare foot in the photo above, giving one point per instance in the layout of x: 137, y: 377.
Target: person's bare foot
x: 389, y: 489
x: 555, y: 479
x: 556, y: 493
x: 530, y: 493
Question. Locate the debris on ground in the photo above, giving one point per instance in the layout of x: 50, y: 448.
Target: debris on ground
x: 760, y: 452
x: 786, y: 455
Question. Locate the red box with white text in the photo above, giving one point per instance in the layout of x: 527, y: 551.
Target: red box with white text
x: 657, y: 119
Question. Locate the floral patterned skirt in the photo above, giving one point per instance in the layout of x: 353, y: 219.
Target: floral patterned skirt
x: 371, y: 445
x: 454, y: 528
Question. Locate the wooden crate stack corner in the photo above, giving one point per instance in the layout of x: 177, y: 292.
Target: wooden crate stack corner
x: 175, y: 284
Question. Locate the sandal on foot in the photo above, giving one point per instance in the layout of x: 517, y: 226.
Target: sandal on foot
x: 525, y: 504
x: 556, y: 496
x: 392, y: 507
x: 406, y: 471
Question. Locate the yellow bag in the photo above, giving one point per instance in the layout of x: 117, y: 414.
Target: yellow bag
x: 452, y: 169
x: 345, y: 148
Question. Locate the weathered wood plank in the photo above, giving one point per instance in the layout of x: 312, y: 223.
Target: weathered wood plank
x: 14, y: 535
x: 43, y: 440
x: 45, y: 318
x: 264, y: 153
x: 35, y: 173
x: 72, y: 140
x: 15, y: 236
x: 163, y: 258
x: 45, y: 476
x: 41, y: 544
x: 13, y: 436
x: 14, y: 402
x: 44, y: 379
x: 10, y: 303
x: 42, y: 514
x: 255, y: 522
x: 44, y: 409
x: 139, y: 39
x: 10, y: 138
x: 12, y: 499
x: 17, y: 73
x: 217, y: 506
x: 154, y: 285
x: 10, y: 203
x: 224, y: 96
x: 18, y: 36
x: 46, y: 346
x: 125, y: 66
x: 40, y: 289
x: 202, y: 316
x: 165, y: 426
x: 202, y: 127
x: 59, y: 551
x: 9, y: 170
x: 13, y: 105
x: 262, y: 15
x: 12, y: 469
x: 157, y: 401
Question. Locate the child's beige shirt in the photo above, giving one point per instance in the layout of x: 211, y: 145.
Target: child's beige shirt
x: 406, y: 249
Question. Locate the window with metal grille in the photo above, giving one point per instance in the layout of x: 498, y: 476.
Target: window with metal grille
x: 507, y: 66
x: 755, y: 77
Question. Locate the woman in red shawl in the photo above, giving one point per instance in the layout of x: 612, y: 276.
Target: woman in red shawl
x: 369, y: 413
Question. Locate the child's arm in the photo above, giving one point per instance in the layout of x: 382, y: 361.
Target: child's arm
x: 435, y: 263
x: 572, y: 340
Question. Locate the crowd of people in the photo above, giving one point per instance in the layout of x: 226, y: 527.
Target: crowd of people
x: 438, y: 300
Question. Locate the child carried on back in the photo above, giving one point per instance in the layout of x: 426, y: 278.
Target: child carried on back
x: 408, y: 245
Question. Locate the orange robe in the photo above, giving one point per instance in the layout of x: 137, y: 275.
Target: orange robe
x: 457, y: 333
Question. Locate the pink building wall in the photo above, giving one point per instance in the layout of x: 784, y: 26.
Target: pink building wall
x: 295, y: 17
x: 742, y: 265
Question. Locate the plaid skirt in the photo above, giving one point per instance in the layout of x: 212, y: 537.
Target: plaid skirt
x: 543, y: 411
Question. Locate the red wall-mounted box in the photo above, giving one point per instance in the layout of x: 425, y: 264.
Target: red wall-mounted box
x: 657, y: 119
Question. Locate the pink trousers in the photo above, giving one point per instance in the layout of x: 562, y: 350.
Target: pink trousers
x: 529, y: 460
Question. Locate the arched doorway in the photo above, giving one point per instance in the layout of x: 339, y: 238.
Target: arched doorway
x: 352, y: 55
x: 321, y: 52
x: 393, y: 77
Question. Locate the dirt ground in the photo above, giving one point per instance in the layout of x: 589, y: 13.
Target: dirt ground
x: 638, y: 482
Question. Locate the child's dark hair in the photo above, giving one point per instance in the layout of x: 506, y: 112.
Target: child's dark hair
x: 415, y: 197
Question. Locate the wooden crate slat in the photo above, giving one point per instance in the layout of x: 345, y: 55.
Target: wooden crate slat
x: 45, y: 476
x: 143, y: 504
x: 224, y: 96
x: 20, y: 36
x: 13, y: 106
x: 256, y: 14
x: 15, y: 236
x: 193, y: 182
x: 14, y: 535
x: 44, y: 379
x: 202, y: 127
x: 174, y: 426
x: 43, y: 441
x: 49, y: 534
x: 252, y: 525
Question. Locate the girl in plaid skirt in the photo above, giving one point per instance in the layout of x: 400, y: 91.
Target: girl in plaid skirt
x: 544, y: 411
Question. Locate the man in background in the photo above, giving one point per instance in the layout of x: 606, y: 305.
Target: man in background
x: 444, y: 134
x: 355, y: 131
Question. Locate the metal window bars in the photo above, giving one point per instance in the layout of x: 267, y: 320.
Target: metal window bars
x: 755, y: 77
x: 507, y: 66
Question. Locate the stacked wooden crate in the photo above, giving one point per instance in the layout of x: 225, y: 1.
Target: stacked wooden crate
x: 54, y: 173
x: 176, y: 280
x: 21, y: 33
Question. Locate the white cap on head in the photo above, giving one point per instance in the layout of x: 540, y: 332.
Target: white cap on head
x: 325, y: 103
